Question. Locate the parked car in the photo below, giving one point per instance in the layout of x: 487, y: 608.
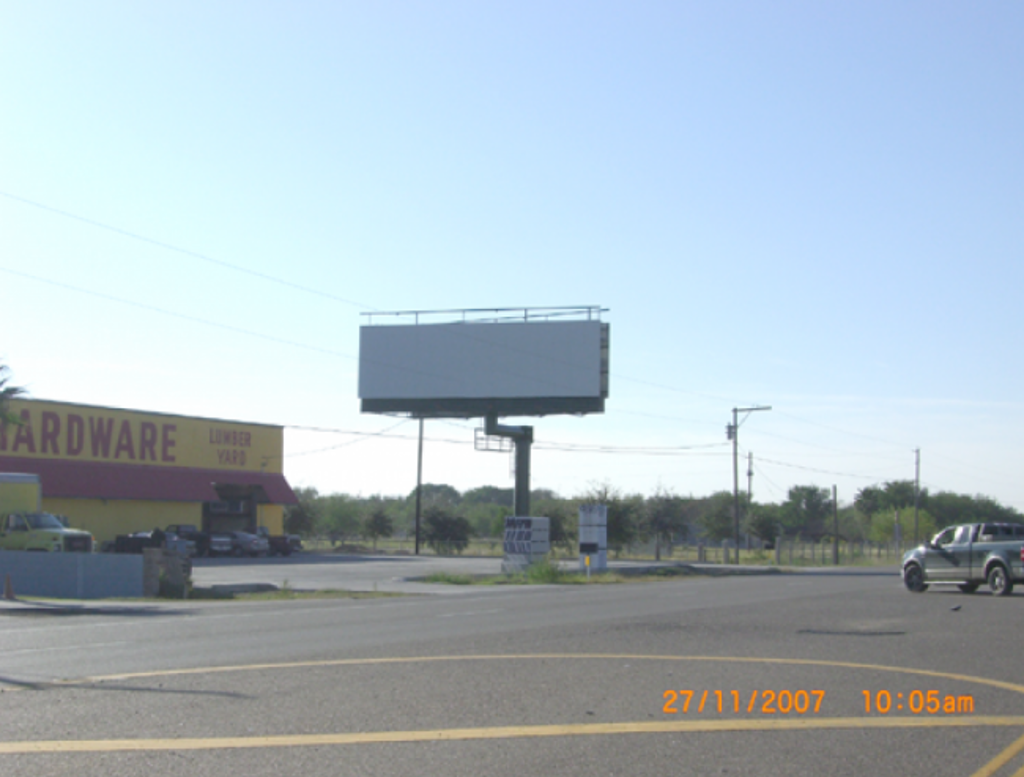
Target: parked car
x: 135, y: 543
x: 280, y: 544
x: 221, y: 544
x: 243, y: 543
x: 187, y: 531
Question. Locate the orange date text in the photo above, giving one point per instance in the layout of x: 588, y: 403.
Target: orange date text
x: 765, y: 702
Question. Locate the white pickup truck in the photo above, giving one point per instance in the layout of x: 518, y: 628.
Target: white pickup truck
x: 967, y: 556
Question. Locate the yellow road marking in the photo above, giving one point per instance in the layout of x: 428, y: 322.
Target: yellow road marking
x: 1000, y: 760
x: 540, y: 731
x: 552, y: 656
x: 501, y: 732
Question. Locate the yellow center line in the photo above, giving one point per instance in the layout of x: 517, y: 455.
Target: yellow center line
x: 1008, y: 686
x: 1000, y: 760
x: 508, y: 732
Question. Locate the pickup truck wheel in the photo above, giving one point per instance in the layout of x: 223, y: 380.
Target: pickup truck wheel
x: 913, y: 579
x: 968, y: 588
x: 999, y: 581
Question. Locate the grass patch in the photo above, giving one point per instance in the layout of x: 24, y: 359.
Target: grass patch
x: 285, y: 594
x: 549, y: 573
x: 449, y: 578
x: 546, y: 572
x: 327, y: 593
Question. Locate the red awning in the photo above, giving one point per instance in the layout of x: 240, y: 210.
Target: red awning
x: 64, y: 479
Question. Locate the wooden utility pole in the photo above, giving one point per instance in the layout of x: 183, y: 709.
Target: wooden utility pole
x: 750, y: 477
x: 733, y: 433
x: 917, y: 488
x: 835, y: 528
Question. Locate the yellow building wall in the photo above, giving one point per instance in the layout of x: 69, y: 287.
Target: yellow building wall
x: 106, y: 518
x: 57, y: 430
x: 272, y: 516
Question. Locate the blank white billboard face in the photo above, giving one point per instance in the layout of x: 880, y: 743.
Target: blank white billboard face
x: 475, y: 369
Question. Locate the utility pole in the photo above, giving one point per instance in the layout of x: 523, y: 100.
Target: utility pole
x: 750, y: 476
x: 732, y: 432
x: 917, y: 488
x: 835, y: 527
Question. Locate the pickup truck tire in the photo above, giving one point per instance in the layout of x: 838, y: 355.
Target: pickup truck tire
x: 913, y: 579
x: 999, y: 580
x: 968, y: 588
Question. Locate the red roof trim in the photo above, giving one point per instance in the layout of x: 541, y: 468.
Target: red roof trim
x: 62, y: 479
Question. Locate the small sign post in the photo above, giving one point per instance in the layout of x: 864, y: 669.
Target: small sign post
x: 593, y: 534
x: 527, y: 541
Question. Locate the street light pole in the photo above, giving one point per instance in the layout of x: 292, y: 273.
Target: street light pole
x: 732, y: 433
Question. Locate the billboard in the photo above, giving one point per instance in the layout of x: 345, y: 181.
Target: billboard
x: 474, y: 369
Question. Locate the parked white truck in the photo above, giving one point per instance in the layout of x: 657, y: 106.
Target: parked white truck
x: 968, y: 556
x: 23, y: 525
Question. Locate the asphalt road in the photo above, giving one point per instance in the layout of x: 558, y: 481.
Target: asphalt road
x: 532, y: 680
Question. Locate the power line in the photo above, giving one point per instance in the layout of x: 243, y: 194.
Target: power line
x: 774, y: 487
x: 183, y: 316
x: 550, y: 446
x: 363, y: 438
x: 815, y: 469
x: 189, y: 252
x: 319, y: 292
x: 840, y: 431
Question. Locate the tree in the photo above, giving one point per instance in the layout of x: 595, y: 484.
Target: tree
x: 853, y: 524
x: 666, y: 516
x: 440, y: 495
x: 301, y: 518
x: 764, y: 521
x: 894, y: 494
x: 900, y: 494
x: 377, y: 524
x: 562, y: 516
x: 949, y: 509
x: 869, y: 500
x: 806, y: 511
x: 339, y: 517
x: 490, y: 495
x: 7, y: 393
x: 486, y: 518
x: 716, y: 516
x: 883, y: 525
x: 444, y: 531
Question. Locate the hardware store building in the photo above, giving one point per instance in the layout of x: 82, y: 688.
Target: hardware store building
x: 112, y: 471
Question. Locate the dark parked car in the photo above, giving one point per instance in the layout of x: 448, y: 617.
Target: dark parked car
x: 243, y: 543
x: 221, y: 544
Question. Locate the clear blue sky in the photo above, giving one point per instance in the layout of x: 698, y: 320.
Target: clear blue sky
x: 815, y: 206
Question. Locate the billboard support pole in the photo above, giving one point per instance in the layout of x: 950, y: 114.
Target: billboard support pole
x: 419, y: 486
x: 522, y: 436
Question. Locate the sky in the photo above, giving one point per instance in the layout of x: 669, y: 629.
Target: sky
x: 817, y: 207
